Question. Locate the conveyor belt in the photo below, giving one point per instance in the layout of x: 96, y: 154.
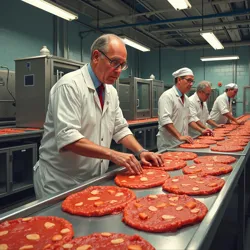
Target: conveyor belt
x: 193, y: 237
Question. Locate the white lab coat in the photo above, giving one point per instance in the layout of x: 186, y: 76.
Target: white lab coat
x: 172, y: 110
x: 74, y: 112
x: 197, y: 112
x: 221, y: 106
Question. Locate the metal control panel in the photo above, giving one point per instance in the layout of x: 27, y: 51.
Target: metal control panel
x: 35, y: 76
x: 135, y: 98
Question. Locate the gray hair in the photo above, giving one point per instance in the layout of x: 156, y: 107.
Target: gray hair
x: 202, y: 85
x: 102, y: 42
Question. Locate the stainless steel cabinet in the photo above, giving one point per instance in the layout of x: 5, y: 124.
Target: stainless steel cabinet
x: 146, y: 136
x: 135, y: 98
x: 16, y: 168
x: 35, y: 76
x: 4, y: 166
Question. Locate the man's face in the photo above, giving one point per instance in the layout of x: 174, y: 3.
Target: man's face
x: 184, y: 83
x: 232, y: 93
x: 102, y: 62
x: 204, y: 94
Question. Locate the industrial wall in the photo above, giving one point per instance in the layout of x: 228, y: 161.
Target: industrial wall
x: 25, y: 29
x: 165, y: 62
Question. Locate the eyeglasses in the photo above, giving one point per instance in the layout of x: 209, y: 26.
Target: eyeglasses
x: 115, y: 63
x: 189, y: 80
x: 207, y: 94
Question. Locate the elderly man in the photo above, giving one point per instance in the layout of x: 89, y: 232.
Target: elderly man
x: 83, y: 117
x: 199, y: 111
x: 221, y: 112
x: 173, y: 111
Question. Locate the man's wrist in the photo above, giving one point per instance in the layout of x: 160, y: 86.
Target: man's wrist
x: 137, y: 154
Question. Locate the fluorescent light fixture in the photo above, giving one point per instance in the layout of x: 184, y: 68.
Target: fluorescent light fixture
x: 219, y: 58
x: 134, y: 44
x: 210, y: 37
x: 53, y: 8
x: 180, y: 4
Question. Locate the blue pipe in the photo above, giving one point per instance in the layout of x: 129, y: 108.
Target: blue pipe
x: 225, y: 14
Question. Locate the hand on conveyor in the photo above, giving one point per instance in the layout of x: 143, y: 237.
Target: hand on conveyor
x: 241, y: 123
x: 186, y: 138
x: 150, y: 158
x: 221, y: 126
x: 126, y: 160
x: 208, y: 132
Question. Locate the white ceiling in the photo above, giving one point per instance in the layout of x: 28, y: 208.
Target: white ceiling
x: 156, y: 23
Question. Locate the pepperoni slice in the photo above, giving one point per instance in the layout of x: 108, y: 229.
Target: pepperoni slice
x: 163, y: 212
x: 215, y: 159
x: 98, y: 201
x: 149, y: 178
x: 205, y: 141
x: 169, y: 165
x: 186, y: 156
x: 193, y: 184
x: 109, y: 241
x: 40, y: 232
x: 194, y: 145
x: 208, y: 169
x: 212, y: 137
x: 227, y: 148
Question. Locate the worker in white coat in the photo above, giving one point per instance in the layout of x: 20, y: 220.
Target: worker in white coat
x: 173, y: 111
x: 199, y: 111
x: 83, y: 117
x: 221, y: 112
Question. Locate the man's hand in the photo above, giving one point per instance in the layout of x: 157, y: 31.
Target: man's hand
x: 150, y: 158
x: 208, y: 132
x: 126, y: 160
x: 221, y: 126
x: 241, y: 123
x: 186, y: 138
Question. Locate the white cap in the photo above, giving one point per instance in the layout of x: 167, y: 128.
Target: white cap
x: 231, y: 86
x: 183, y: 72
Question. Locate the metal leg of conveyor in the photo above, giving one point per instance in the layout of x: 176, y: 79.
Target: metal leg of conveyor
x: 241, y: 211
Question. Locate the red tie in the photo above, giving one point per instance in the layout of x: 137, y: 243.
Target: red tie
x: 182, y: 98
x: 100, y: 91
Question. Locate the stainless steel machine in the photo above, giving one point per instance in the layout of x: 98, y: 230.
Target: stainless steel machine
x: 7, y: 96
x: 35, y: 76
x: 135, y: 98
x: 210, y: 101
x: 157, y: 88
x: 246, y: 100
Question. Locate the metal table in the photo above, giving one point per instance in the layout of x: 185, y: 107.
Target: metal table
x: 197, y: 236
x: 244, y: 152
x: 20, y: 136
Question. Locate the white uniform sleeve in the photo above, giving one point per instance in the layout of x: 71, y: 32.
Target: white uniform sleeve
x: 223, y: 106
x: 66, y: 111
x: 165, y: 110
x: 121, y: 126
x: 193, y: 112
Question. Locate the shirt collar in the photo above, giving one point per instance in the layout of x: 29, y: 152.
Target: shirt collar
x: 178, y: 91
x: 95, y: 80
x: 197, y: 97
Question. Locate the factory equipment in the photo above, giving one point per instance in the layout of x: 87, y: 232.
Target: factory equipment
x: 167, y: 87
x: 135, y: 98
x: 35, y: 76
x: 7, y: 96
x: 210, y: 101
x: 191, y: 92
x: 246, y: 100
x: 157, y: 87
